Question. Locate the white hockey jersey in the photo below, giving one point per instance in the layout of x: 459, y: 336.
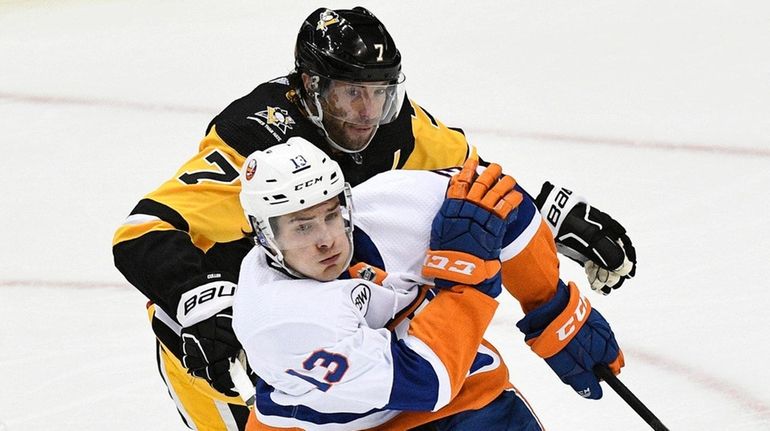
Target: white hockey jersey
x: 357, y: 354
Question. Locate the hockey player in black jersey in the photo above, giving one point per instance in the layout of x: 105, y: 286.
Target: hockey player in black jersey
x: 182, y: 244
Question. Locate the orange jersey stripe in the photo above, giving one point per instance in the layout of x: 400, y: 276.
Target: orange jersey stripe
x: 437, y: 328
x: 477, y: 391
x: 401, y: 315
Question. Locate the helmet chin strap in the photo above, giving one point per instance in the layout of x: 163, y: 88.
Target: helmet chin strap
x: 317, y: 119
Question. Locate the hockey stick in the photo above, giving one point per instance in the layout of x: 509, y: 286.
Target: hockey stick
x: 241, y: 380
x: 605, y: 374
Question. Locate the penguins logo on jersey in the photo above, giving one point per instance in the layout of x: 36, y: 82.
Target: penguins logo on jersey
x: 277, y: 117
x: 360, y: 295
x: 274, y: 120
x: 328, y: 17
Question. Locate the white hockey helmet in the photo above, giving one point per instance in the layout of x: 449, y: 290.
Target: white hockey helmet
x: 287, y: 178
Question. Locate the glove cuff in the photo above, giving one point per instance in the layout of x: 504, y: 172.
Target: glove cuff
x: 563, y: 325
x: 535, y: 321
x: 204, y: 296
x: 555, y: 202
x: 459, y: 267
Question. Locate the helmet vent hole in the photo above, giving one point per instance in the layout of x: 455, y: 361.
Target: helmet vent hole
x: 301, y: 201
x: 271, y: 180
x: 278, y: 199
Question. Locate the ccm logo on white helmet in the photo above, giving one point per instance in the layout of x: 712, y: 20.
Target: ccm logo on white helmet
x: 308, y: 183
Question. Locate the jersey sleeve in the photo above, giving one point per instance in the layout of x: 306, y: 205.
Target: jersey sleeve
x: 530, y: 267
x: 170, y: 234
x: 436, y: 146
x: 337, y: 363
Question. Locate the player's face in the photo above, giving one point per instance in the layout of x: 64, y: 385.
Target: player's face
x: 352, y: 112
x: 314, y: 241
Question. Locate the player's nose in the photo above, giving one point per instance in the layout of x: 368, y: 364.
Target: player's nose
x: 325, y: 239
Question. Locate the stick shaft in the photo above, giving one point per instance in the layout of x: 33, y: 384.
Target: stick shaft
x: 241, y: 380
x: 605, y: 374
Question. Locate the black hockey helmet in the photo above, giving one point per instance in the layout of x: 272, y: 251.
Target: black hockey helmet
x: 350, y: 45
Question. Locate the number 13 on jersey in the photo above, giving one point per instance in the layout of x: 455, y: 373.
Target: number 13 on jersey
x: 335, y: 365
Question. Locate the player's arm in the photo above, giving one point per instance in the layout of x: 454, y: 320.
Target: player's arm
x: 162, y: 245
x: 488, y: 228
x: 559, y: 325
x: 181, y: 248
x: 335, y: 362
x: 530, y: 266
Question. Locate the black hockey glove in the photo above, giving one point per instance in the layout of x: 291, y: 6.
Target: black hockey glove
x: 208, y: 341
x: 588, y: 236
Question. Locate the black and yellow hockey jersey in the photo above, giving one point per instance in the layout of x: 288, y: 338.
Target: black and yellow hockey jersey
x: 193, y: 223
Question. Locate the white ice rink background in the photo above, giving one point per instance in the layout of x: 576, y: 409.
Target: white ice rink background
x: 656, y: 111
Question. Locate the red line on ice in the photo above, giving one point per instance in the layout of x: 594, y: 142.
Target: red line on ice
x: 87, y: 102
x: 69, y: 284
x: 512, y: 134
x: 724, y: 388
x: 705, y: 380
x: 631, y: 143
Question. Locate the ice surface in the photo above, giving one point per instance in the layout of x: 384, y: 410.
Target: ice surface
x: 656, y: 111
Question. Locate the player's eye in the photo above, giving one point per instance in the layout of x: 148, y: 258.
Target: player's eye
x: 353, y: 91
x: 332, y: 216
x: 303, y: 228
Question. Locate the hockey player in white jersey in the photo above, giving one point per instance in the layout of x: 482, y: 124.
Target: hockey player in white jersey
x: 395, y: 341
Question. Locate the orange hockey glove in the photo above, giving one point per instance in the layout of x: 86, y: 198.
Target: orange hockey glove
x: 467, y: 233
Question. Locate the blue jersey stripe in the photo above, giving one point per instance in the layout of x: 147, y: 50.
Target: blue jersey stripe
x: 481, y: 360
x: 415, y: 384
x: 415, y: 387
x: 268, y: 407
x: 524, y: 213
x: 364, y: 250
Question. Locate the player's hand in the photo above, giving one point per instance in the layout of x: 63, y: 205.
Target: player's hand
x: 572, y: 338
x: 588, y: 236
x: 467, y: 233
x: 208, y: 341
